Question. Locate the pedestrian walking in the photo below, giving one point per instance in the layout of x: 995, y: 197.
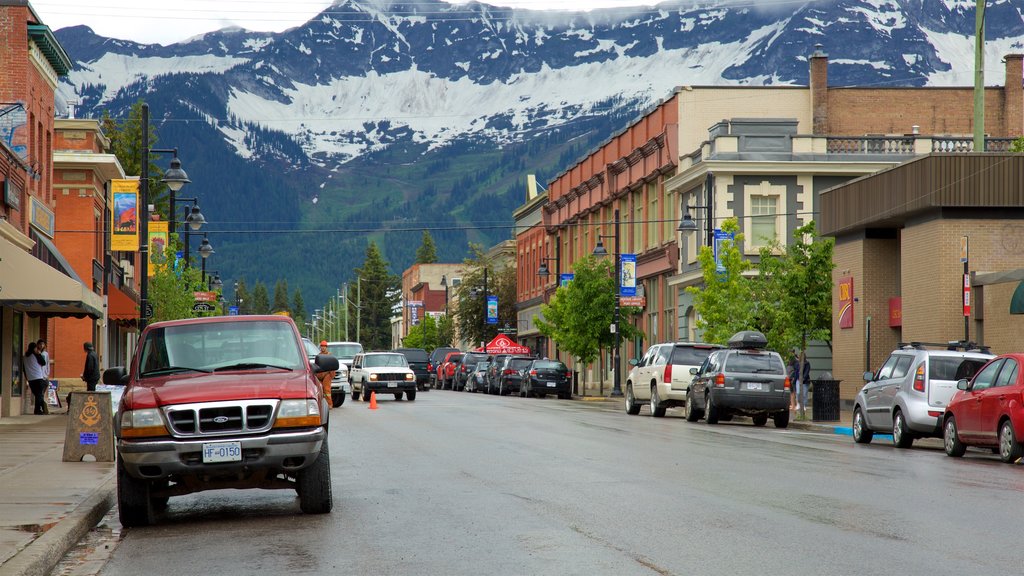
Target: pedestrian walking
x: 804, y: 384
x: 35, y: 373
x: 794, y: 379
x: 326, y: 377
x: 91, y: 372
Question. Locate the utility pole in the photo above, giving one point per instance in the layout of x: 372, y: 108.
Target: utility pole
x: 359, y: 305
x: 344, y: 289
x: 979, y: 75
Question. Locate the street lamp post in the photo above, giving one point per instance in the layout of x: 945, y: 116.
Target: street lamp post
x: 205, y: 250
x: 687, y: 224
x: 444, y: 282
x: 175, y: 178
x: 543, y: 272
x: 194, y: 220
x: 477, y: 292
x: 599, y: 250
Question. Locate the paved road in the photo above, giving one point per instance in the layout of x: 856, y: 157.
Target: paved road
x: 457, y: 483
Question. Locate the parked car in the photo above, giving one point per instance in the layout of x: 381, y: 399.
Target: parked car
x: 220, y: 402
x: 986, y: 411
x: 545, y: 377
x: 418, y: 360
x: 344, y: 351
x: 908, y: 395
x: 434, y: 363
x: 511, y: 377
x: 493, y: 371
x: 744, y: 379
x: 446, y: 371
x: 662, y: 376
x: 464, y: 366
x: 382, y: 372
x: 477, y: 380
x: 340, y: 387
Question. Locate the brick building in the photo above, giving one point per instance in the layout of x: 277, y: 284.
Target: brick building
x: 36, y: 281
x: 533, y: 290
x: 423, y: 293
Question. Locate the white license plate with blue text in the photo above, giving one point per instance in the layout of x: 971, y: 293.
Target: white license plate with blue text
x: 222, y: 452
x: 392, y: 384
x: 758, y: 386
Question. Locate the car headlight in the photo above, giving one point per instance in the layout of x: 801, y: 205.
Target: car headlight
x: 373, y: 377
x: 294, y: 413
x: 410, y: 376
x: 142, y: 423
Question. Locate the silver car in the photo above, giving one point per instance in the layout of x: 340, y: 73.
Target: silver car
x: 908, y: 394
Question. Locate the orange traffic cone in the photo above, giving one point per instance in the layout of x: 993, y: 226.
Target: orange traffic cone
x: 373, y: 400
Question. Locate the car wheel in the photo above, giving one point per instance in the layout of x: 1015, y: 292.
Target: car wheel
x: 366, y: 394
x: 134, y: 507
x: 710, y: 410
x: 760, y: 419
x: 781, y: 419
x: 632, y: 406
x: 1009, y: 449
x: 657, y: 410
x: 690, y: 411
x: 861, y: 433
x: 399, y: 395
x: 901, y: 435
x: 338, y: 398
x: 951, y: 439
x: 410, y: 395
x: 313, y: 484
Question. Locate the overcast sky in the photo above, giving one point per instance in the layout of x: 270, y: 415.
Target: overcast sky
x: 169, y: 21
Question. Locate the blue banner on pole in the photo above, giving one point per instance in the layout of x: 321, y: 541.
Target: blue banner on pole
x: 492, y: 309
x: 564, y: 279
x: 720, y: 237
x: 627, y: 280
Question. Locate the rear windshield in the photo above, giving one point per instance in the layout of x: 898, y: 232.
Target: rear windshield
x: 550, y: 365
x: 754, y: 363
x: 953, y: 367
x: 415, y: 355
x: 689, y: 356
x: 455, y: 357
x: 472, y: 359
x: 519, y: 363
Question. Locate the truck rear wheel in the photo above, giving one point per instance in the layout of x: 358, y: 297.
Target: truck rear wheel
x: 134, y: 507
x: 314, y: 484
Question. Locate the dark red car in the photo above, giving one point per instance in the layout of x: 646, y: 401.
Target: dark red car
x: 987, y: 412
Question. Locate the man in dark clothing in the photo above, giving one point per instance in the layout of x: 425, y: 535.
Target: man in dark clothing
x: 91, y: 373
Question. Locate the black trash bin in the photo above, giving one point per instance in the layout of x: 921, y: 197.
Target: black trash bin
x: 825, y: 400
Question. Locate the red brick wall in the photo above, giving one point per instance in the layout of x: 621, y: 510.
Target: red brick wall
x: 531, y: 246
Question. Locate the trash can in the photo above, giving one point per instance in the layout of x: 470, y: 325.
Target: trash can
x: 825, y: 400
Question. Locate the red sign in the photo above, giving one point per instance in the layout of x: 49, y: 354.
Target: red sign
x: 895, y: 312
x: 502, y: 344
x: 846, y: 302
x: 967, y: 294
x: 640, y: 301
x: 205, y: 296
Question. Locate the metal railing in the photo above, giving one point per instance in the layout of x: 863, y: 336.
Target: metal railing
x: 869, y: 144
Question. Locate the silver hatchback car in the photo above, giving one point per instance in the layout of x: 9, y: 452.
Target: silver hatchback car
x: 908, y: 394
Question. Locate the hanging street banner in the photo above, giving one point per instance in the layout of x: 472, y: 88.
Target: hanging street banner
x: 564, y: 279
x: 492, y: 309
x: 845, y: 288
x: 157, y: 244
x: 414, y: 315
x: 124, y: 231
x: 720, y: 237
x: 627, y: 281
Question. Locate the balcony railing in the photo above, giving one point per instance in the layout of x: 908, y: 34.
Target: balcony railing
x: 967, y: 144
x: 869, y: 144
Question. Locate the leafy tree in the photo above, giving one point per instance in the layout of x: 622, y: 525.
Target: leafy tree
x: 1017, y: 145
x: 795, y: 291
x: 242, y: 295
x: 445, y: 330
x: 723, y: 303
x: 281, y: 297
x: 470, y: 309
x: 125, y: 137
x: 260, y: 300
x: 579, y: 315
x: 378, y: 294
x: 298, y: 308
x: 427, y: 252
x: 171, y: 287
x: 426, y: 335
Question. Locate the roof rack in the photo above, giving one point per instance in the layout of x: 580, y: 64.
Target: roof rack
x: 967, y: 346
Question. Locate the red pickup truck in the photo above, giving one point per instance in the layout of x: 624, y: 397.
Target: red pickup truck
x: 220, y: 402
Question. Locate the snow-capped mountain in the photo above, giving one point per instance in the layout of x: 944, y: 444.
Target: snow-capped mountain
x: 398, y: 116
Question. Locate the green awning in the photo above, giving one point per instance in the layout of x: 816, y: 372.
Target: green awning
x: 1017, y: 302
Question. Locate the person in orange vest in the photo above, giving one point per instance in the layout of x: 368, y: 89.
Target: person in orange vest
x: 326, y: 377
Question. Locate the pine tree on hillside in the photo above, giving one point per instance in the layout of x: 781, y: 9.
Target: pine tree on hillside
x: 281, y: 297
x: 260, y: 300
x: 298, y: 308
x: 126, y: 142
x: 379, y: 290
x: 427, y: 252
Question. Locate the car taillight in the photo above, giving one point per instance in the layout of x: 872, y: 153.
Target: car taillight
x: 919, y: 379
x: 507, y: 371
x: 568, y: 375
x: 668, y: 373
x: 463, y: 368
x: 786, y: 384
x: 720, y: 380
x: 430, y: 367
x: 533, y: 372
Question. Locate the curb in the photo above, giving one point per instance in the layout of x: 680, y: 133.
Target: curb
x: 43, y: 553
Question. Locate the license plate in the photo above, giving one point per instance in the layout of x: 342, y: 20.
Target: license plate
x: 392, y: 384
x: 756, y: 386
x: 222, y: 452
x: 552, y: 384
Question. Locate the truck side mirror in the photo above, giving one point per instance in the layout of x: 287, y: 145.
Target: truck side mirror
x: 117, y: 376
x: 869, y: 376
x: 963, y: 384
x: 693, y: 371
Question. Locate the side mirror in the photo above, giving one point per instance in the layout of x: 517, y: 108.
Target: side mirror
x: 633, y: 362
x: 693, y: 371
x: 869, y: 376
x: 325, y: 363
x: 117, y: 376
x: 963, y: 384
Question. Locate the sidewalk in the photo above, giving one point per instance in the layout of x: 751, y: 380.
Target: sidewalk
x: 46, y: 505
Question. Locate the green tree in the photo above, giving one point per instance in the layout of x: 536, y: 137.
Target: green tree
x: 125, y: 137
x: 260, y: 300
x: 171, y: 287
x: 794, y: 291
x: 427, y: 252
x: 281, y: 297
x: 579, y: 315
x: 1017, y: 145
x: 724, y: 303
x: 243, y: 297
x: 298, y: 308
x: 378, y: 293
x: 470, y: 309
x: 445, y: 330
x: 424, y: 335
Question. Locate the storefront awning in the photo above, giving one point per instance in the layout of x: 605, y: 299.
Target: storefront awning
x: 121, y: 307
x: 30, y: 285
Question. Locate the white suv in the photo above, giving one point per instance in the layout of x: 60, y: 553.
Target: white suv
x: 662, y: 377
x: 382, y: 372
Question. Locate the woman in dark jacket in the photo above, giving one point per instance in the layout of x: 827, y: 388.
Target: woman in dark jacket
x: 35, y: 373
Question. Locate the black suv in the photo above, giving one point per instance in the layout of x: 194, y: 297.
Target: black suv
x: 743, y: 379
x: 418, y: 361
x: 436, y: 357
x: 545, y: 377
x: 510, y: 377
x: 465, y: 368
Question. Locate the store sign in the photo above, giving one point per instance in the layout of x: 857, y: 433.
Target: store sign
x: 638, y: 301
x: 12, y: 194
x: 204, y: 296
x: 40, y: 216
